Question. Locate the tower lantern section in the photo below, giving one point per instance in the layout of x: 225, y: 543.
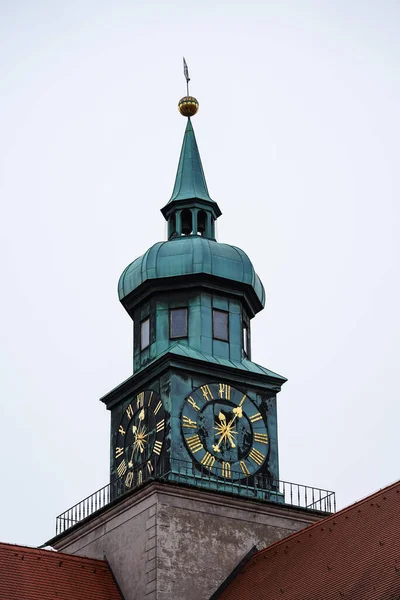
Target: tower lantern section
x: 191, y: 211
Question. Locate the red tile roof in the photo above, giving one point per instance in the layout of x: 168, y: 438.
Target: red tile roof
x: 353, y: 554
x: 33, y: 574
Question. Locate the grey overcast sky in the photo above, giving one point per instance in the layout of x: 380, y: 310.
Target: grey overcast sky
x: 298, y: 130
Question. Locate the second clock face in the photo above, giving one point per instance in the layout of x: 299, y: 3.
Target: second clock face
x: 140, y: 438
x: 224, y: 431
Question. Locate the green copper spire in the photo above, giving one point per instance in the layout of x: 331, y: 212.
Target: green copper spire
x: 190, y: 211
x: 190, y: 181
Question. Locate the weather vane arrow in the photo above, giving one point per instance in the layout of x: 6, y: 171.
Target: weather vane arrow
x: 186, y: 74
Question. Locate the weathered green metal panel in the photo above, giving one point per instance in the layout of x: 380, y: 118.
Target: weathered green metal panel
x: 174, y: 386
x: 189, y: 255
x: 200, y: 336
x: 190, y: 180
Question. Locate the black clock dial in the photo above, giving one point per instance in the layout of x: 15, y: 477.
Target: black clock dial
x: 140, y: 438
x: 224, y: 431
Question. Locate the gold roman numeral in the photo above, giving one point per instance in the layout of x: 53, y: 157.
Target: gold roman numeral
x: 208, y: 460
x: 186, y: 422
x: 255, y: 417
x: 224, y: 391
x: 118, y: 452
x: 140, y: 477
x: 206, y: 392
x: 261, y: 437
x: 160, y: 425
x: 129, y: 479
x: 129, y: 411
x: 140, y: 400
x: 157, y: 447
x: 150, y: 467
x: 244, y: 468
x: 157, y: 408
x: 256, y: 456
x: 194, y: 443
x: 193, y: 403
x: 121, y: 430
x: 150, y: 398
x: 226, y: 469
x: 121, y: 469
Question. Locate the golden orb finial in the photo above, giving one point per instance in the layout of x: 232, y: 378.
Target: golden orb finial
x: 188, y: 106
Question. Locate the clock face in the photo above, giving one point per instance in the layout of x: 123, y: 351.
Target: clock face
x: 140, y: 438
x: 224, y: 431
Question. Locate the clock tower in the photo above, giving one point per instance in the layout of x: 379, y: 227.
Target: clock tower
x: 194, y: 477
x: 197, y: 407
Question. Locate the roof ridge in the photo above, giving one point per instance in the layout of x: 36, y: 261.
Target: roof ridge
x: 35, y: 550
x: 336, y: 515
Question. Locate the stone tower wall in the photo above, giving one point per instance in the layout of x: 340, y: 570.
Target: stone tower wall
x: 168, y: 542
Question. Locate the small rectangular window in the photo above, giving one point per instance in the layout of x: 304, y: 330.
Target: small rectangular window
x: 220, y: 325
x: 245, y: 340
x: 178, y: 323
x: 145, y: 334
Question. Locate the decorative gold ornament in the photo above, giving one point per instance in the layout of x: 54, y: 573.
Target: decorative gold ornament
x: 188, y: 106
x: 226, y: 431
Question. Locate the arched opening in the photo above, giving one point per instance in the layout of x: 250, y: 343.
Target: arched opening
x: 186, y: 221
x: 201, y: 222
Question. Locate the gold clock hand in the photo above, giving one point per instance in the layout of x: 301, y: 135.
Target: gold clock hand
x: 228, y: 434
x: 130, y: 463
x: 134, y: 430
x: 225, y: 430
x: 221, y: 430
x: 238, y: 412
x: 140, y: 439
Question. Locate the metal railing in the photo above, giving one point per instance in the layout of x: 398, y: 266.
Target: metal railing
x: 260, y: 487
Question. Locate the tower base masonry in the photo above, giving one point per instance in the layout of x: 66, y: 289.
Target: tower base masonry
x: 170, y: 542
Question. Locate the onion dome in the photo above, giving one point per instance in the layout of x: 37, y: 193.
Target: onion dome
x: 193, y: 261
